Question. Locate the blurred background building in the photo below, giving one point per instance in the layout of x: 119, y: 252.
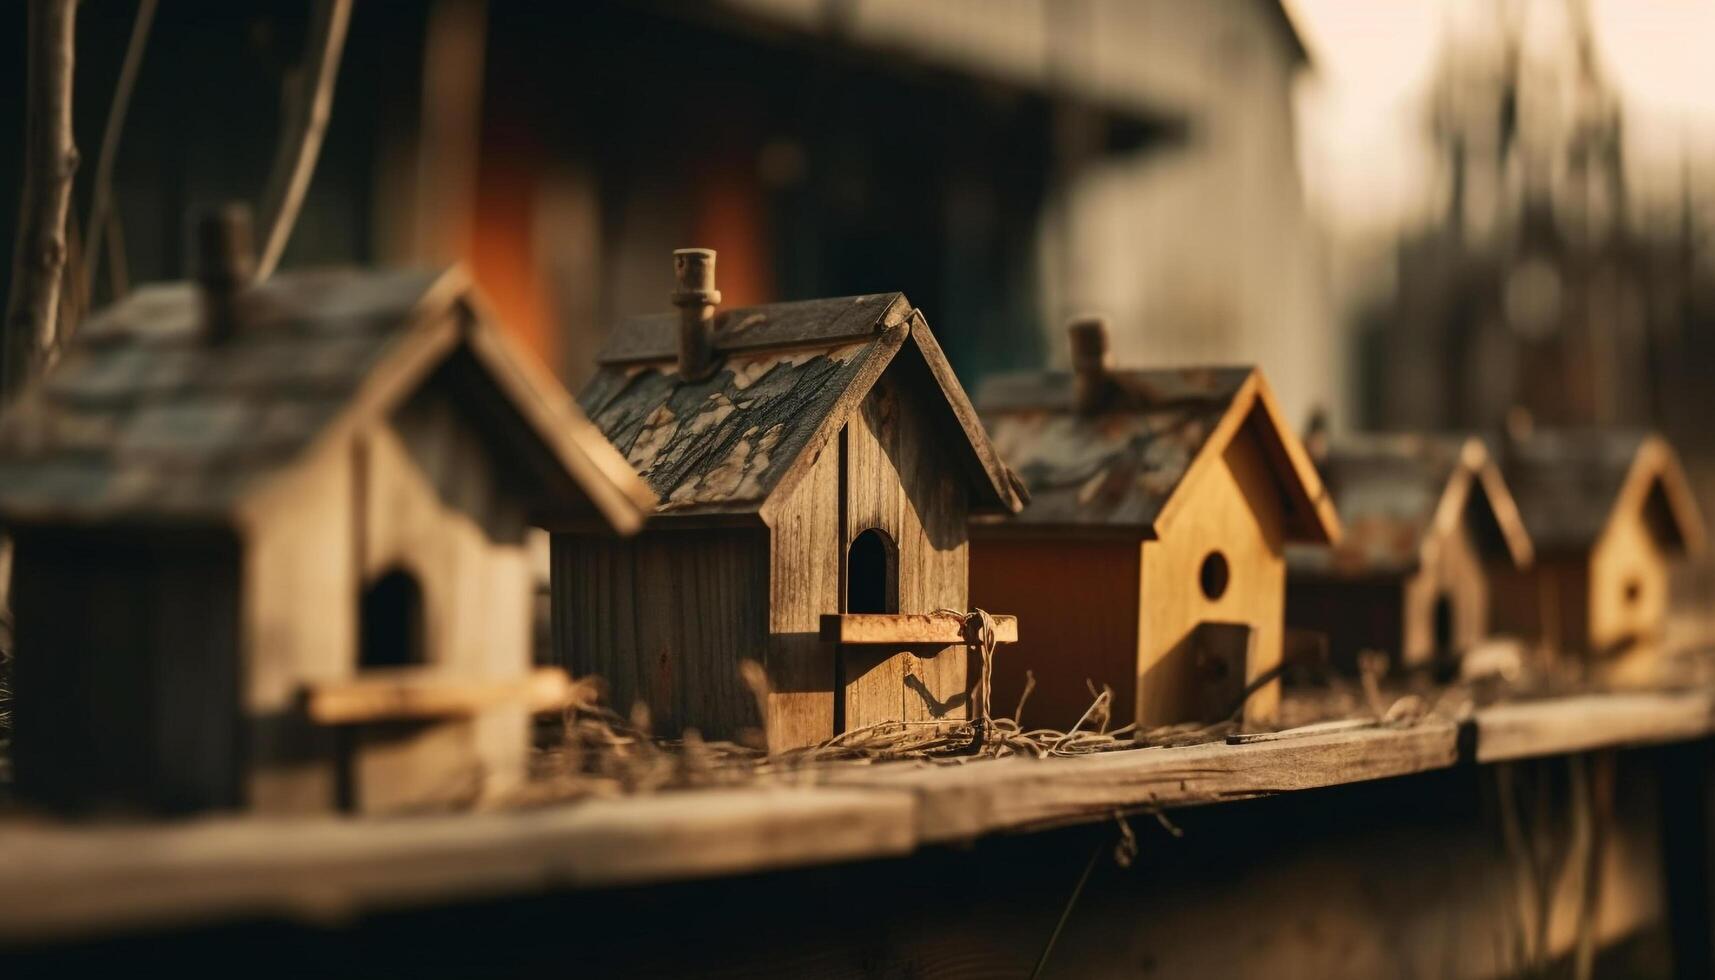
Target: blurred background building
x: 1005, y: 162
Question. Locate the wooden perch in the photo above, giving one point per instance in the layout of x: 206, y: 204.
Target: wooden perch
x: 50, y: 162
x: 419, y: 694
x: 307, y: 108
x: 897, y: 628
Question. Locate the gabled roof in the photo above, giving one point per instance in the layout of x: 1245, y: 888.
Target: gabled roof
x: 1572, y: 484
x: 1396, y: 492
x: 143, y: 420
x: 791, y: 374
x: 1125, y: 466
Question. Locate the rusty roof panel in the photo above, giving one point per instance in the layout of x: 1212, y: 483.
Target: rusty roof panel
x: 1115, y: 468
x: 725, y: 441
x: 1387, y: 489
x: 1568, y: 482
x: 142, y: 418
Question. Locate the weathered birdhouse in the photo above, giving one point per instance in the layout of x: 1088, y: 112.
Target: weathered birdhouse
x: 1152, y: 556
x: 1607, y: 513
x: 816, y: 464
x: 1424, y: 519
x: 270, y: 543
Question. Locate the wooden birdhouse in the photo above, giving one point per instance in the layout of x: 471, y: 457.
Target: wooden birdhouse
x: 270, y: 543
x: 1424, y: 519
x: 1607, y: 512
x: 816, y: 464
x: 1152, y: 556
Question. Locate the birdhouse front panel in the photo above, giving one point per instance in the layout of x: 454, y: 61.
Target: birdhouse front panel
x: 905, y: 552
x: 1629, y: 588
x: 1223, y: 564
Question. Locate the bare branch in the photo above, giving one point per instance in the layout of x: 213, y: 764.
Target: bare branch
x: 50, y: 162
x: 301, y: 144
x: 102, y: 194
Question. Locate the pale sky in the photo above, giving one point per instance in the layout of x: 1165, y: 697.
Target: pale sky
x: 1362, y: 111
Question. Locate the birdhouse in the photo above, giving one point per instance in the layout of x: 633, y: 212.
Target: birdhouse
x: 816, y: 464
x: 1607, y: 512
x: 1424, y: 519
x: 1152, y: 556
x: 270, y: 543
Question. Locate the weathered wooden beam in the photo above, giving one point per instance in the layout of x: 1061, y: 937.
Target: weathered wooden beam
x: 908, y: 628
x: 1557, y: 726
x: 414, y: 693
x: 964, y: 802
x: 65, y: 881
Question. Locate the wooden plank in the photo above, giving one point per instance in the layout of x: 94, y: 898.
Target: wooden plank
x: 963, y: 802
x: 1578, y: 724
x: 410, y: 694
x: 65, y: 881
x: 806, y: 553
x: 897, y: 628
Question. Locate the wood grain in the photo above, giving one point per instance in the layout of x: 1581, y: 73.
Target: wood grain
x: 958, y: 803
x: 898, y: 481
x: 1580, y: 724
x: 898, y: 628
x: 665, y: 618
x: 64, y: 881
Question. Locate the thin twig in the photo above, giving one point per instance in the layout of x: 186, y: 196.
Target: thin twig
x: 50, y: 163
x: 101, y: 202
x: 301, y: 143
x: 1066, y: 912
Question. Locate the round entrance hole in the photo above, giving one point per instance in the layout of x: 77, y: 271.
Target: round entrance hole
x: 1214, y: 575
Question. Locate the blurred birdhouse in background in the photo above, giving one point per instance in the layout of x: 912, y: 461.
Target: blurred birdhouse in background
x: 1424, y: 518
x: 1608, y: 512
x: 270, y: 543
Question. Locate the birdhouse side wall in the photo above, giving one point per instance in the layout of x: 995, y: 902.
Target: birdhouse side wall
x: 1547, y: 605
x: 1235, y: 518
x: 665, y: 618
x: 901, y: 478
x: 135, y: 634
x: 1076, y: 600
x: 1628, y: 594
x: 1353, y: 614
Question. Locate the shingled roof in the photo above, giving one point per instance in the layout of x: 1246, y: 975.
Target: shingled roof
x: 790, y: 374
x: 1393, y: 491
x: 1570, y: 483
x: 1123, y: 465
x: 145, y: 419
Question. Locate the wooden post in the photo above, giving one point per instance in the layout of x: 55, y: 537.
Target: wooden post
x: 1089, y: 336
x: 50, y: 161
x: 226, y: 263
x: 696, y: 298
